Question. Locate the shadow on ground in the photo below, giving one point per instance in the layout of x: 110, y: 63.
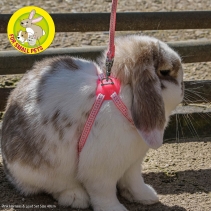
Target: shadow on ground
x: 190, y: 181
x: 177, y: 183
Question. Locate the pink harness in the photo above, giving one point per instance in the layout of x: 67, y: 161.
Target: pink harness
x: 108, y: 90
x: 105, y: 91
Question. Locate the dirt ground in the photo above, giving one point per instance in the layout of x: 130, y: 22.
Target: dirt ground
x: 180, y: 170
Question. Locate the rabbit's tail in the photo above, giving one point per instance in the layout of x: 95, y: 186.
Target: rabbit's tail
x: 43, y: 32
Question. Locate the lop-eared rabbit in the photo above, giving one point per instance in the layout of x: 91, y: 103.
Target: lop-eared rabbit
x: 47, y: 111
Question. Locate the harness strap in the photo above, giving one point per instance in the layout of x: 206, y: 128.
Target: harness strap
x: 94, y: 111
x: 121, y: 106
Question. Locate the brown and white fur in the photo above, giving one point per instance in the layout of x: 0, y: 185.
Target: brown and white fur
x: 46, y: 113
x: 22, y: 36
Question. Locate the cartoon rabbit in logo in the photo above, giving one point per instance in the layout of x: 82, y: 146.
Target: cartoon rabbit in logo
x: 34, y: 31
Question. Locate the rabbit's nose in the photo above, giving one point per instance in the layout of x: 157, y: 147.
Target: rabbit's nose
x: 22, y: 23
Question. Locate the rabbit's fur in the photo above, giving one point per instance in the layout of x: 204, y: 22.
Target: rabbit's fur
x: 46, y: 113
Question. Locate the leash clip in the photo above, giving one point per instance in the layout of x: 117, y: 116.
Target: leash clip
x: 109, y: 64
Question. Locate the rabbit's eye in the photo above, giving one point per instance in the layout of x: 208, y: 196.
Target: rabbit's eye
x: 27, y: 22
x: 164, y: 72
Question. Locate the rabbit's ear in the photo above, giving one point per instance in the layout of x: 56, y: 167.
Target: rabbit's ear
x: 147, y: 109
x: 37, y: 20
x: 32, y: 13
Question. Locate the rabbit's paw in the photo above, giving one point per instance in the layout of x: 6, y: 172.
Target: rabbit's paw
x: 147, y: 195
x: 76, y: 198
x: 118, y: 207
x: 125, y: 193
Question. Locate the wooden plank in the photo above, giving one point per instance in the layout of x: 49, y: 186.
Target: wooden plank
x: 126, y: 21
x: 197, y: 92
x: 189, y: 122
x: 190, y: 52
x: 23, y: 62
x: 202, y: 94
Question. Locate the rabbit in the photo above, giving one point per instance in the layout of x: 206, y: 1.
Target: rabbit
x: 47, y: 111
x: 37, y: 31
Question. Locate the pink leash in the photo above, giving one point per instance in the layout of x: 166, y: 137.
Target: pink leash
x: 106, y: 90
x: 111, y: 50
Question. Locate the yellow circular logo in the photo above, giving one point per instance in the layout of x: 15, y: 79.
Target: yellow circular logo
x: 31, y: 30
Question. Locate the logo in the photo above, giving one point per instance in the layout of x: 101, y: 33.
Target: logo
x: 31, y: 30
